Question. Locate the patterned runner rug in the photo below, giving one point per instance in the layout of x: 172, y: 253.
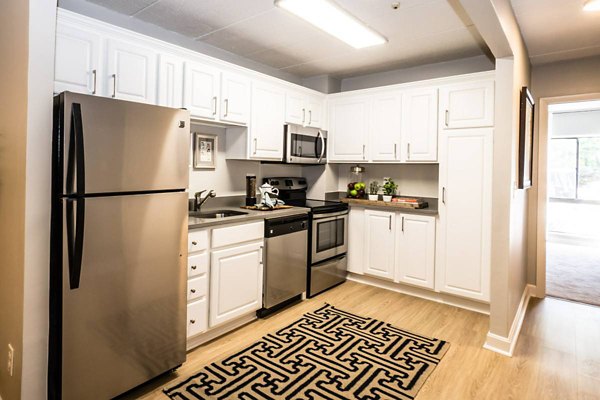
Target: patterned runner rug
x: 326, y: 354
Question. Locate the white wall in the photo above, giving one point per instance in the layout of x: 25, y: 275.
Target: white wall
x: 412, y: 179
x: 229, y: 176
x: 422, y: 72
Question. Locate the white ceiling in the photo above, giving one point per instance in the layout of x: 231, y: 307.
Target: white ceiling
x: 420, y: 32
x: 557, y: 30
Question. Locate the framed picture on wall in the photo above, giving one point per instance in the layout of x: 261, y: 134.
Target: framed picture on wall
x: 527, y: 109
x: 205, y: 151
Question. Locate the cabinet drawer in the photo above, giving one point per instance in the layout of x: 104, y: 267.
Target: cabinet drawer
x: 197, y: 287
x: 197, y: 317
x: 237, y: 234
x: 197, y: 241
x: 197, y: 264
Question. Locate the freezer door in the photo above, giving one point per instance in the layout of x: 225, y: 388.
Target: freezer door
x: 124, y: 318
x: 127, y: 146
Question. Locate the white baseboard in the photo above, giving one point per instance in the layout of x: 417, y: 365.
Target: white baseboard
x: 471, y: 305
x: 506, y: 345
x: 214, y: 333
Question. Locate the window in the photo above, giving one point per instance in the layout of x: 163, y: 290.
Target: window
x: 574, y: 170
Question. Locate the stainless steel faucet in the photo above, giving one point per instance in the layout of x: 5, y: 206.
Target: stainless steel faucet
x: 198, y: 200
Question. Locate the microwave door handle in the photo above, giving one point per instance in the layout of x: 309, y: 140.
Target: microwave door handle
x: 319, y: 135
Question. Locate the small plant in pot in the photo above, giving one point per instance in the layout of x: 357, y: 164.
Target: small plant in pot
x: 389, y: 189
x: 373, y: 190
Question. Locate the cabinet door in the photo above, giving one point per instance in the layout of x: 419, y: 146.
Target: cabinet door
x: 170, y: 81
x: 295, y: 108
x: 266, y: 129
x: 77, y: 60
x: 235, y: 98
x: 379, y: 239
x: 349, y: 127
x: 201, y: 90
x: 314, y: 106
x: 386, y: 127
x: 420, y: 126
x: 464, y: 239
x: 356, y: 235
x: 415, y: 250
x: 467, y: 105
x: 131, y: 72
x: 236, y: 278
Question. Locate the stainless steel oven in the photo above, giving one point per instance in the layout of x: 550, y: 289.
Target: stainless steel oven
x: 329, y: 235
x: 305, y: 145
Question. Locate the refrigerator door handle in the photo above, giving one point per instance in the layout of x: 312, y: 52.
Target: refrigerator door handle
x: 76, y: 161
x: 75, y: 228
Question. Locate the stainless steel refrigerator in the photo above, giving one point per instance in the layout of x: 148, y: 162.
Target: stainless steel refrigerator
x: 118, y: 245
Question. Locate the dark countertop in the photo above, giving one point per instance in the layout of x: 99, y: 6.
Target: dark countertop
x: 431, y: 210
x: 197, y: 223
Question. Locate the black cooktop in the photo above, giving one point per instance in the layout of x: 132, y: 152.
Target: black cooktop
x: 319, y: 206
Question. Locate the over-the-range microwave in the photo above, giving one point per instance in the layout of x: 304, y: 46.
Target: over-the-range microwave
x: 303, y: 145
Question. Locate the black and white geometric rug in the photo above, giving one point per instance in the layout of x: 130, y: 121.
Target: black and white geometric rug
x: 326, y: 354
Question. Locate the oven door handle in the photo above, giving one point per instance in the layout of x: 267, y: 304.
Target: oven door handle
x: 329, y: 215
x: 320, y: 136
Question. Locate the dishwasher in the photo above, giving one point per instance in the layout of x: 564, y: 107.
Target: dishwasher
x: 285, y: 265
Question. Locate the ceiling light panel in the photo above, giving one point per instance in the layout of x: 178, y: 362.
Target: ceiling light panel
x: 331, y: 18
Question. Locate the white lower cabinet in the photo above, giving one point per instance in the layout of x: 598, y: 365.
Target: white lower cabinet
x: 380, y: 228
x: 415, y: 250
x: 356, y: 240
x: 236, y: 282
x: 197, y: 313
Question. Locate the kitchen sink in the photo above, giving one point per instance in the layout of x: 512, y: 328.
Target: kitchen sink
x: 217, y: 214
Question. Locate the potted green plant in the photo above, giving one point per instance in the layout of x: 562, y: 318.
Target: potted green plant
x: 374, y: 190
x: 389, y: 189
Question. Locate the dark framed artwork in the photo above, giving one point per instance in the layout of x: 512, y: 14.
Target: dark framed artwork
x: 527, y: 110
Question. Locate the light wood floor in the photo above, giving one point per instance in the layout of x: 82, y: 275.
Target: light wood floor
x: 557, y: 356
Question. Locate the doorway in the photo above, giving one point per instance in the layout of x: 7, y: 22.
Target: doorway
x: 573, y: 202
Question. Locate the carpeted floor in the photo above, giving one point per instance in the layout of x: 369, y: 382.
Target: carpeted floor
x: 326, y: 354
x: 573, y: 272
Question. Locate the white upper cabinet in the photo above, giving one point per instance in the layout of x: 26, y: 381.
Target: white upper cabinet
x: 378, y: 258
x: 170, y: 81
x: 419, y: 125
x: 415, y: 250
x: 386, y: 126
x: 348, y: 129
x: 130, y: 71
x: 201, y: 90
x: 467, y: 105
x: 464, y: 240
x: 235, y: 98
x: 302, y: 109
x: 266, y: 127
x: 77, y: 60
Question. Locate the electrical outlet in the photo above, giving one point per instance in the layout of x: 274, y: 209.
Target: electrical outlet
x: 11, y: 360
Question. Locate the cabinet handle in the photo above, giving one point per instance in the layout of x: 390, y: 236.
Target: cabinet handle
x: 402, y: 224
x: 408, y: 150
x: 363, y: 151
x: 194, y: 243
x: 390, y: 222
x: 261, y: 254
x: 395, y: 152
x: 193, y: 290
x: 443, y: 195
x: 192, y: 321
x: 303, y: 115
x: 94, y: 73
x: 215, y: 105
x: 114, y: 76
x: 309, y: 116
x: 255, y: 145
x: 447, y: 117
x: 226, y: 107
x: 194, y: 267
